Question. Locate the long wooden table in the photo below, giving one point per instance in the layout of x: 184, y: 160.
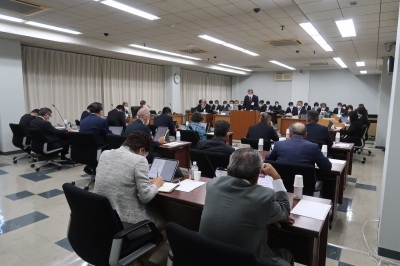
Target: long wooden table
x: 286, y: 122
x: 176, y: 117
x: 208, y: 118
x: 306, y: 238
x: 179, y: 152
x: 347, y: 153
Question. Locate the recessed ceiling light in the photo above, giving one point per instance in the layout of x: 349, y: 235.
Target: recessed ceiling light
x: 363, y: 72
x: 312, y: 31
x: 346, y: 27
x: 244, y: 69
x: 340, y: 62
x: 212, y: 39
x: 11, y: 18
x: 280, y: 64
x: 129, y: 9
x: 360, y: 63
x: 163, y: 52
x: 36, y: 24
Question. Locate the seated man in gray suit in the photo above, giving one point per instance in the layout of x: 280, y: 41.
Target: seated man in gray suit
x: 238, y: 211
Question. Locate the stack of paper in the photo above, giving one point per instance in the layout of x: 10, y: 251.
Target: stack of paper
x: 265, y: 181
x: 188, y: 185
x: 311, y: 209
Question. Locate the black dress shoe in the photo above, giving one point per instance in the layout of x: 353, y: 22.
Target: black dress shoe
x: 87, y: 170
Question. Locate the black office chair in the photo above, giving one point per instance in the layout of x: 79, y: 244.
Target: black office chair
x: 287, y: 171
x: 153, y: 129
x: 359, y: 144
x: 190, y: 136
x: 191, y: 248
x: 41, y: 147
x: 96, y: 234
x: 208, y: 162
x: 254, y: 143
x: 84, y: 150
x: 115, y: 141
x: 20, y: 140
x: 77, y: 122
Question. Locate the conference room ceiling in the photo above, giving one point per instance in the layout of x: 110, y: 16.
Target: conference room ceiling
x: 233, y: 21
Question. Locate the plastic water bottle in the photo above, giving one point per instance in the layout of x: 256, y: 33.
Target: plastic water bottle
x: 260, y: 144
x: 287, y: 134
x: 178, y: 136
x: 194, y: 168
x: 337, y: 137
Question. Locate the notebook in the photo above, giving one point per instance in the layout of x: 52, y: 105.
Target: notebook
x: 116, y: 130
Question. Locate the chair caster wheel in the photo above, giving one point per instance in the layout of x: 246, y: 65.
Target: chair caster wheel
x: 369, y: 152
x: 14, y: 158
x: 58, y: 167
x: 363, y: 162
x: 15, y: 161
x: 73, y: 183
x: 32, y: 165
x: 37, y: 169
x: 35, y: 159
x: 86, y: 188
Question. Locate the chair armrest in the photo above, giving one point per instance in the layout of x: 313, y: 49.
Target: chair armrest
x: 135, y: 227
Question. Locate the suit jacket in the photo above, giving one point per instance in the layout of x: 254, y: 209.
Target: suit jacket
x: 218, y: 107
x: 116, y: 118
x: 250, y: 105
x: 363, y: 120
x: 269, y: 108
x: 303, y: 110
x: 25, y: 122
x: 216, y: 144
x: 317, y: 133
x: 47, y: 130
x: 201, y: 110
x: 298, y: 150
x: 294, y: 111
x: 139, y: 126
x: 123, y: 177
x: 319, y: 109
x: 262, y: 131
x: 96, y: 125
x: 225, y: 108
x: 263, y: 108
x: 164, y: 120
x: 84, y: 114
x: 238, y: 213
x: 276, y: 108
x: 343, y: 111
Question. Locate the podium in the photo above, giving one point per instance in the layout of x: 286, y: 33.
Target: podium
x: 242, y: 120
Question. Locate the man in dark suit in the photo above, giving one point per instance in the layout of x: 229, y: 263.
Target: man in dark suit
x: 299, y: 150
x: 276, y: 108
x: 203, y: 107
x: 250, y: 101
x: 218, y: 107
x: 339, y: 110
x: 269, y: 107
x: 301, y: 110
x: 85, y: 113
x: 291, y: 109
x: 323, y: 108
x: 317, y: 133
x: 95, y: 124
x: 263, y: 130
x: 261, y: 106
x: 237, y: 211
x: 25, y: 121
x: 225, y: 106
x: 116, y: 117
x: 165, y: 120
x: 58, y: 136
x: 217, y: 143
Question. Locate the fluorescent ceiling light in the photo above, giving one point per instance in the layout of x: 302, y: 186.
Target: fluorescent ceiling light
x: 212, y: 39
x: 363, y: 71
x: 280, y: 64
x: 51, y: 27
x: 163, y: 52
x: 244, y: 69
x: 129, y: 9
x: 360, y: 63
x: 312, y: 31
x: 11, y: 19
x: 228, y: 70
x: 340, y: 62
x: 346, y: 28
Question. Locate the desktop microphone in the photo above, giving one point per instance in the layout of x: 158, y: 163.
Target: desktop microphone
x: 112, y: 105
x: 65, y: 124
x: 148, y: 106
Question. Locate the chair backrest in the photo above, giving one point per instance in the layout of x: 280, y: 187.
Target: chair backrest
x: 191, y: 248
x: 77, y: 122
x: 84, y: 148
x: 18, y: 135
x: 153, y: 129
x: 287, y: 171
x: 190, y: 136
x: 254, y: 143
x: 115, y: 141
x: 93, y: 224
x: 208, y: 162
x: 37, y: 140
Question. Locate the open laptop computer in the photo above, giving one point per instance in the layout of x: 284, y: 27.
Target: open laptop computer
x: 168, y: 169
x: 115, y: 130
x: 344, y: 119
x: 206, y: 126
x: 161, y: 132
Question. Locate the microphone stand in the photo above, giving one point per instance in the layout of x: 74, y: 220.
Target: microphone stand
x: 65, y: 124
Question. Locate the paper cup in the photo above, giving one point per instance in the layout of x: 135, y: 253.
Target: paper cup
x: 261, y: 141
x: 324, y: 148
x: 298, y: 181
x: 197, y: 175
x: 178, y: 133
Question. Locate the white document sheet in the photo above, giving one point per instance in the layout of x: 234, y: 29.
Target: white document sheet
x: 311, y: 209
x: 337, y: 161
x: 265, y: 181
x: 188, y: 185
x: 341, y: 145
x: 172, y: 144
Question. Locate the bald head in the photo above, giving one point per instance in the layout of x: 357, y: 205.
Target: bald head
x: 297, y: 129
x: 143, y: 112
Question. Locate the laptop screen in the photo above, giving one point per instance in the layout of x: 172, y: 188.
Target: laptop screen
x: 344, y: 119
x: 165, y: 168
x: 115, y: 130
x: 160, y: 132
x: 205, y: 125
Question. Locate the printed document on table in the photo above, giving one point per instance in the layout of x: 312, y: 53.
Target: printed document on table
x: 311, y: 209
x: 188, y: 185
x: 341, y: 145
x: 172, y: 144
x: 337, y: 161
x: 265, y: 181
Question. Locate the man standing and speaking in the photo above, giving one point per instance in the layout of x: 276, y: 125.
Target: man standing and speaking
x: 250, y: 101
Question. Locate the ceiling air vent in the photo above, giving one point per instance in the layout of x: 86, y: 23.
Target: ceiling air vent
x: 253, y: 67
x: 283, y: 77
x: 22, y: 7
x: 319, y: 64
x: 284, y: 42
x: 192, y: 51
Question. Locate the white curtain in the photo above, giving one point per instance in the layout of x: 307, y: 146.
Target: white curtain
x: 132, y: 82
x: 72, y: 81
x: 198, y: 85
